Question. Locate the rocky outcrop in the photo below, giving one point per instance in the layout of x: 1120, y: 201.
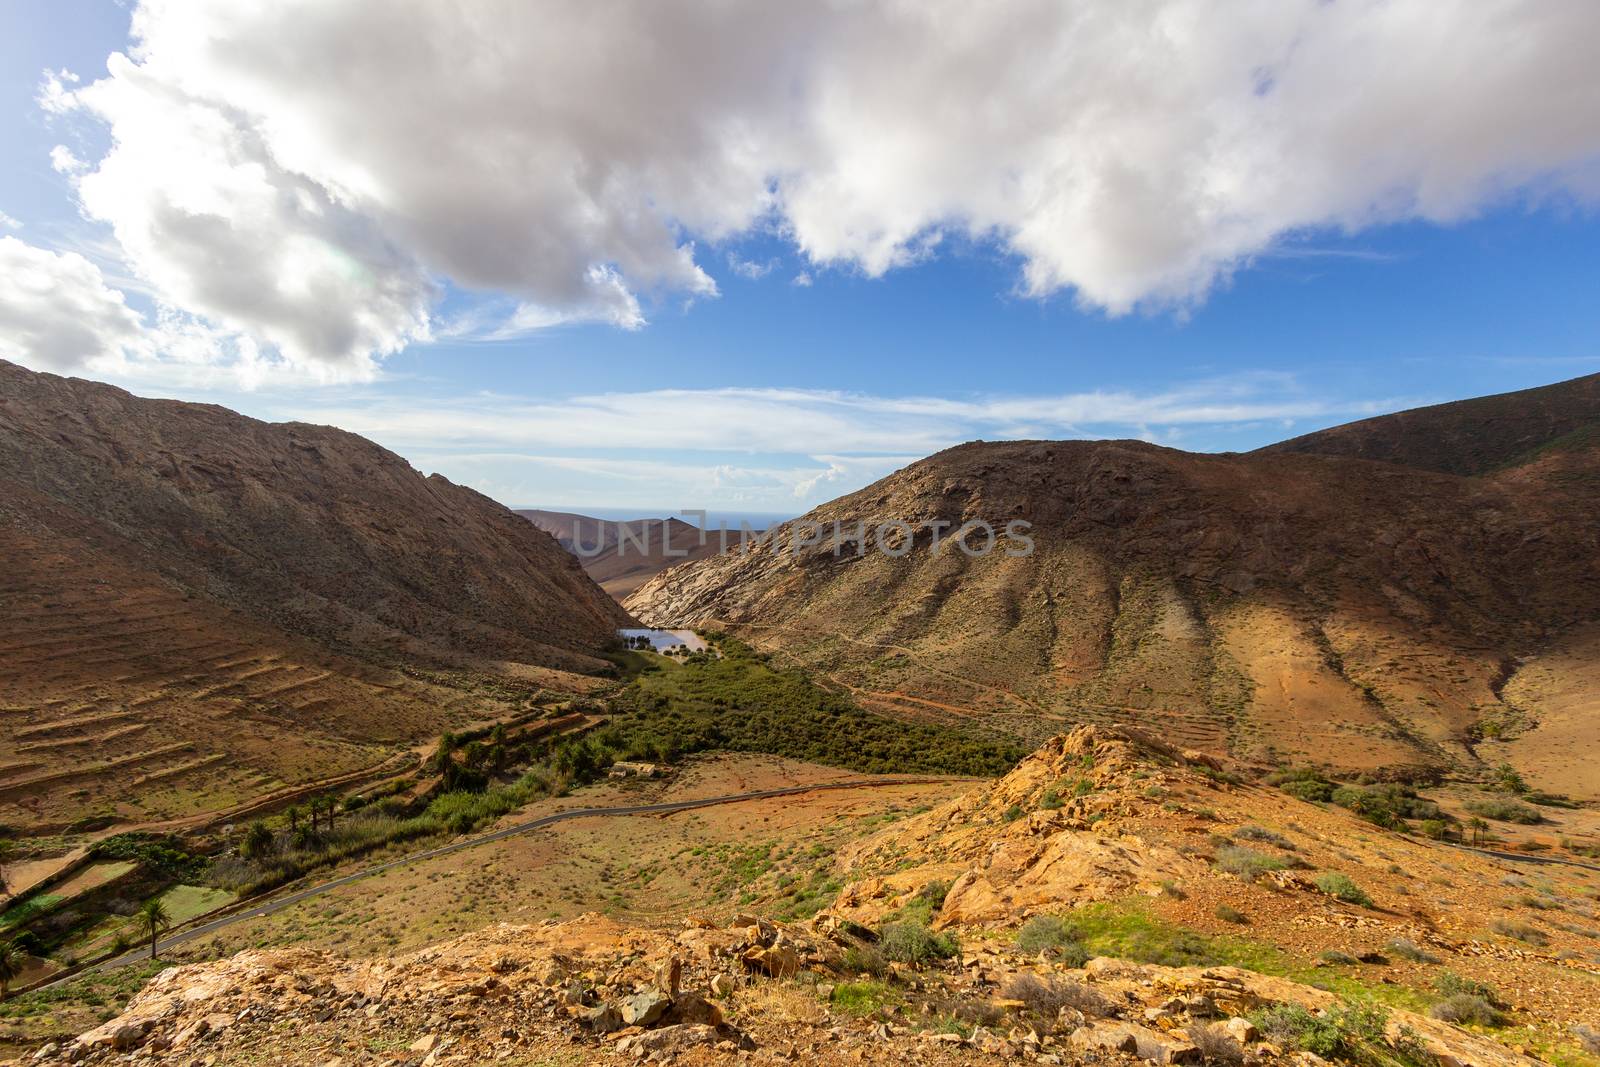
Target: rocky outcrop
x: 606, y: 993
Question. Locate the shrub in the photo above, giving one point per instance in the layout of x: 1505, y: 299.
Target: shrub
x: 1291, y: 1026
x: 1333, y: 957
x: 1215, y: 1044
x: 1410, y: 950
x: 1046, y: 997
x: 1450, y: 984
x: 865, y: 959
x: 1519, y: 930
x: 1387, y: 805
x: 1466, y: 1008
x: 1342, y: 887
x: 1265, y: 836
x: 1053, y: 935
x: 1230, y: 914
x: 911, y: 942
x: 1305, y: 784
x: 1588, y: 1037
x: 1352, y: 1032
x: 1505, y: 809
x: 1247, y: 863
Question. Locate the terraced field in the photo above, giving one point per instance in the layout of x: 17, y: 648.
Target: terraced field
x: 126, y: 701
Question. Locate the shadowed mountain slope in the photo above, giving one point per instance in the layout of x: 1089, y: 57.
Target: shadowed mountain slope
x: 1473, y: 436
x: 178, y: 575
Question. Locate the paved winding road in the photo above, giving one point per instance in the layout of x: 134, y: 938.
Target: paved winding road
x: 279, y: 903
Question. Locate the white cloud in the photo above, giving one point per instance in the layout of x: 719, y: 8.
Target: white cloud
x: 305, y: 171
x: 57, y: 314
x: 803, y: 279
x: 749, y: 268
x: 9, y: 223
x: 768, y: 421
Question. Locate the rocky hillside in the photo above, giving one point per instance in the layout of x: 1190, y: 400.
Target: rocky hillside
x: 177, y: 573
x: 1278, y: 605
x: 1469, y: 436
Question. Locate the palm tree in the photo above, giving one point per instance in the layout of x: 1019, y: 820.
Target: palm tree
x: 7, y: 850
x: 155, y: 919
x: 11, y: 959
x: 1478, y: 828
x: 294, y: 818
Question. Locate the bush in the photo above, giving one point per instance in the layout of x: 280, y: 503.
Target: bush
x: 1353, y: 1032
x: 1505, y: 809
x: 1450, y: 984
x: 1053, y: 935
x: 1305, y: 784
x: 1466, y: 1008
x: 1231, y: 914
x: 1588, y: 1037
x: 1215, y: 1044
x: 1265, y: 836
x: 1410, y: 950
x: 1387, y: 805
x: 1333, y: 957
x: 865, y: 959
x: 1046, y: 997
x: 1247, y: 863
x: 911, y: 942
x: 1342, y: 887
x: 1519, y: 930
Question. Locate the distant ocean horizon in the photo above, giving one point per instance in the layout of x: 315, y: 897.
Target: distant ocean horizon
x: 759, y: 520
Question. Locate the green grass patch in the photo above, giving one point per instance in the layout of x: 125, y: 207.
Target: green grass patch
x: 862, y: 998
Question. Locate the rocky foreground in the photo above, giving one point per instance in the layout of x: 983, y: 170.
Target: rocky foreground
x: 753, y: 991
x: 1095, y: 815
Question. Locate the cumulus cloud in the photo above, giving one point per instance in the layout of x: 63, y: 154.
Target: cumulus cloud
x: 307, y: 171
x: 57, y: 314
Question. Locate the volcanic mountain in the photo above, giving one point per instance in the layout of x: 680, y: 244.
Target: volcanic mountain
x: 199, y: 608
x: 1418, y: 589
x: 622, y: 556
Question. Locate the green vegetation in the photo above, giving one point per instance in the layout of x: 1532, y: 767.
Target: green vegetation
x: 1410, y: 950
x: 740, y: 702
x: 1348, y: 1033
x: 1388, y: 804
x: 162, y: 855
x: 154, y: 920
x: 100, y: 992
x: 11, y: 960
x: 1053, y: 935
x: 1247, y: 863
x: 912, y: 942
x: 1230, y: 914
x: 862, y: 998
x: 1521, y: 931
x: 1505, y: 809
x: 1343, y: 887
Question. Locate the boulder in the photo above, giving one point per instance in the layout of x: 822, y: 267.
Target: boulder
x: 602, y: 1019
x: 645, y: 1009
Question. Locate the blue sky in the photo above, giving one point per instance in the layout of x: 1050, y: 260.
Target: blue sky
x: 817, y: 364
